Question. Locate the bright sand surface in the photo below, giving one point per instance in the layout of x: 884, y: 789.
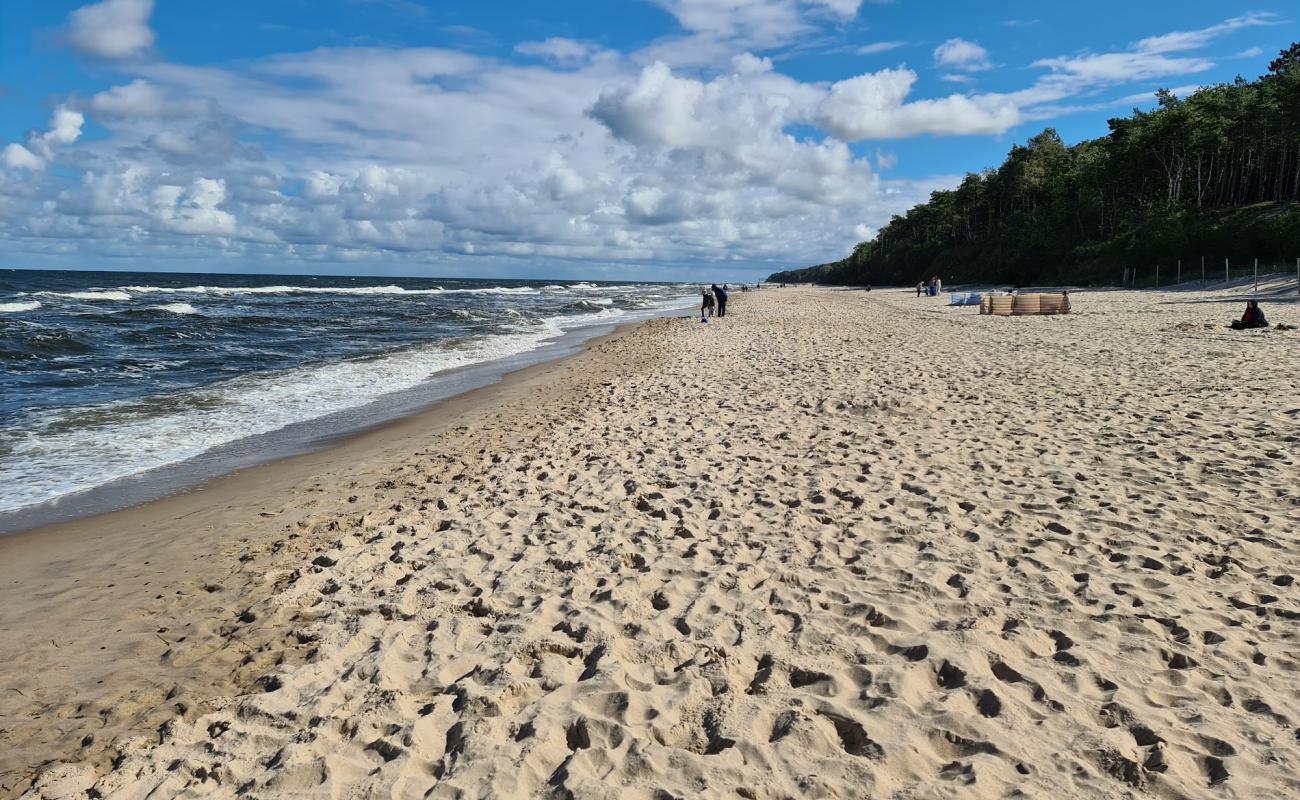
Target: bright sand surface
x: 838, y: 544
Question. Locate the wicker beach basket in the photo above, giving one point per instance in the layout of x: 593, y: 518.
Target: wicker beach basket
x: 986, y: 304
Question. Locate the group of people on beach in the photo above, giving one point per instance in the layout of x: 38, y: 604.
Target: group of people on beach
x: 713, y: 296
x: 933, y: 288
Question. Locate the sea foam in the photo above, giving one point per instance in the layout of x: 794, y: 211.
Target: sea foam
x: 14, y: 308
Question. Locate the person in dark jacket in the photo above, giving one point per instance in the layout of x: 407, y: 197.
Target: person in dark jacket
x: 720, y: 295
x: 1252, y: 318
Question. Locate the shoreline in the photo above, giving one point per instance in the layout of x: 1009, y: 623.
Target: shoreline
x: 300, y: 438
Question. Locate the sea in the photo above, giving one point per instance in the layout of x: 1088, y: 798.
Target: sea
x: 108, y: 376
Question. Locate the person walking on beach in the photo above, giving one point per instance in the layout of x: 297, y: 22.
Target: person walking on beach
x: 721, y: 296
x: 706, y: 305
x: 920, y: 286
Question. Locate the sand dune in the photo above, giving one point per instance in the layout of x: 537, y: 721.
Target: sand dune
x: 838, y: 544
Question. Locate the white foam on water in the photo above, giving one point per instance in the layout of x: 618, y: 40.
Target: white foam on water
x: 176, y: 308
x: 100, y: 294
x: 15, y: 308
x: 343, y: 290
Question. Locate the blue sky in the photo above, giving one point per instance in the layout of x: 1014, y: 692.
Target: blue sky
x: 655, y: 139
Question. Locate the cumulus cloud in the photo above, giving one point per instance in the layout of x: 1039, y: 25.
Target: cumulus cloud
x: 16, y: 156
x: 65, y: 128
x: 194, y: 210
x: 111, y: 28
x: 962, y: 55
x: 666, y: 110
x: 873, y: 106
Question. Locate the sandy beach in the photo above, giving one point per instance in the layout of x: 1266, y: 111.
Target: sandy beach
x: 837, y: 544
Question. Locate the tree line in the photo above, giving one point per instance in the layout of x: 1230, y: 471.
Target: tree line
x: 1216, y: 174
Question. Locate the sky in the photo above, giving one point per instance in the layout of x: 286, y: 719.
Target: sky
x: 628, y: 139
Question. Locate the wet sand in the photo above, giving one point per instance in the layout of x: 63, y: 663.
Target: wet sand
x: 838, y: 544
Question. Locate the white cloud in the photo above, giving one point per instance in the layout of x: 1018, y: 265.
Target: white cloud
x: 1100, y: 68
x: 1179, y: 41
x: 873, y: 106
x: 138, y: 98
x: 111, y: 28
x: 962, y: 55
x: 16, y: 156
x: 1149, y: 59
x: 878, y: 47
x: 717, y: 30
x: 661, y: 109
x: 557, y: 49
x: 196, y: 210
x: 64, y: 129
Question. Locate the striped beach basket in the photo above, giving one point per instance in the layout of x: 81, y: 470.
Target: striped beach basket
x: 1055, y: 303
x: 1027, y: 305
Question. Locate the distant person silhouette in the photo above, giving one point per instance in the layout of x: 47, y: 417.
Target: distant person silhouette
x: 720, y: 295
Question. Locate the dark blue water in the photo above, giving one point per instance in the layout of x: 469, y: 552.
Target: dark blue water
x: 107, y: 374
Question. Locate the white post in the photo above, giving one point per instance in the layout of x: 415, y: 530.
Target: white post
x: 1225, y: 273
x: 1257, y: 276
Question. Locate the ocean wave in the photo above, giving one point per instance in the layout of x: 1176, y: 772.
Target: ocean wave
x: 15, y: 308
x: 95, y: 294
x: 343, y: 290
x: 176, y: 308
x: 61, y: 451
x: 43, y: 343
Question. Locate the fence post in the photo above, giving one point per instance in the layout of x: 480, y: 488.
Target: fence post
x: 1157, y: 276
x: 1257, y: 276
x: 1226, y: 279
x: 1297, y: 276
x: 1203, y: 271
x: 1179, y: 281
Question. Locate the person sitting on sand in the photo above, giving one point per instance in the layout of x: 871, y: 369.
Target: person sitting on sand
x: 1252, y: 318
x: 706, y: 305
